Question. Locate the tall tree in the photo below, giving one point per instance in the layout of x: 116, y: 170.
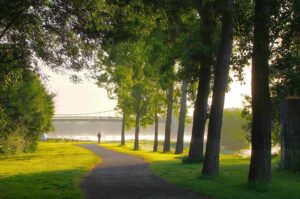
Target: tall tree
x: 115, y: 77
x: 155, y: 144
x: 159, y: 68
x: 207, y: 28
x: 182, y: 114
x: 123, y: 130
x: 172, y: 34
x: 137, y: 108
x: 211, y: 161
x: 159, y: 110
x: 170, y: 100
x: 260, y: 165
x: 284, y: 56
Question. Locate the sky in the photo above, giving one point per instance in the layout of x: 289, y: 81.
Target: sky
x: 86, y: 97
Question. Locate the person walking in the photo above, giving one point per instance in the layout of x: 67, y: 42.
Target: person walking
x: 99, y: 137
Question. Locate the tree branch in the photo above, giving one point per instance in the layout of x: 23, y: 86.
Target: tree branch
x: 8, y: 26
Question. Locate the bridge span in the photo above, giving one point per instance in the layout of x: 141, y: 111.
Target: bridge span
x: 85, y: 118
x: 86, y: 126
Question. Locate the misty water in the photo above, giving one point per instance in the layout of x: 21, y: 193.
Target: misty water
x: 110, y: 129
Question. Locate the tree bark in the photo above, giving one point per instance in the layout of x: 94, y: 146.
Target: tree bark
x: 155, y: 145
x: 167, y: 140
x: 260, y: 165
x: 199, y: 116
x: 123, y: 130
x: 211, y: 161
x: 290, y: 135
x: 182, y: 113
x: 200, y: 108
x: 137, y: 131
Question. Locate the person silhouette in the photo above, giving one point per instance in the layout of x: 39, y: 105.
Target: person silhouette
x: 99, y: 137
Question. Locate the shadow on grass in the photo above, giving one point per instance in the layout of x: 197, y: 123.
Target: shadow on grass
x: 188, y: 160
x: 56, y: 184
x: 17, y: 158
x: 231, y: 181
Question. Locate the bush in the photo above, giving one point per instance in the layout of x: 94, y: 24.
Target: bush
x: 26, y: 110
x: 14, y: 142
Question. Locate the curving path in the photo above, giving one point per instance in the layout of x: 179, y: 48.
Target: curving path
x: 121, y: 176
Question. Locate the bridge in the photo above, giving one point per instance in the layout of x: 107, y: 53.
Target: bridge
x: 84, y: 126
x: 95, y: 116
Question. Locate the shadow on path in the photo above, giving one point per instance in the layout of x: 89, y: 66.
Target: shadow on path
x: 124, y: 176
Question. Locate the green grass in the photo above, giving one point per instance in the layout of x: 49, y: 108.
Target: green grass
x: 145, y: 151
x: 53, y: 171
x: 230, y: 184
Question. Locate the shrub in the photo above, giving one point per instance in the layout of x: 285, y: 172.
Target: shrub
x: 14, y: 142
x: 26, y: 109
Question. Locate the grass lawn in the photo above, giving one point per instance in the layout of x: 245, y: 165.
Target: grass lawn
x: 53, y: 171
x: 230, y: 184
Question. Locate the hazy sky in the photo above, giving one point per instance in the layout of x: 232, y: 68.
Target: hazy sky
x: 86, y: 97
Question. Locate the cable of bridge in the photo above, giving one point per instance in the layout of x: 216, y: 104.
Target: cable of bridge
x: 91, y: 113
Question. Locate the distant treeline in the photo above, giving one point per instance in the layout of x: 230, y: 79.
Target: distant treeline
x: 233, y: 135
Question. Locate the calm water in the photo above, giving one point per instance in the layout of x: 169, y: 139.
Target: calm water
x: 110, y: 130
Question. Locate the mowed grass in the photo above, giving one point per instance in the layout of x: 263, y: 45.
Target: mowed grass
x: 230, y: 184
x: 144, y: 152
x: 53, y: 171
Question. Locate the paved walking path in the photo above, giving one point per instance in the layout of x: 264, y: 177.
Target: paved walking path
x: 121, y: 176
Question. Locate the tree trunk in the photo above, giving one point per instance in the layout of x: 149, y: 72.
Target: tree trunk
x: 200, y: 109
x: 211, y: 161
x: 260, y: 165
x: 290, y: 135
x: 155, y: 146
x: 199, y: 116
x: 182, y: 113
x: 123, y: 130
x: 167, y: 141
x: 137, y: 131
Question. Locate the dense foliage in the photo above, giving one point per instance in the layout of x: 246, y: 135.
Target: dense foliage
x: 26, y: 109
x: 34, y: 33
